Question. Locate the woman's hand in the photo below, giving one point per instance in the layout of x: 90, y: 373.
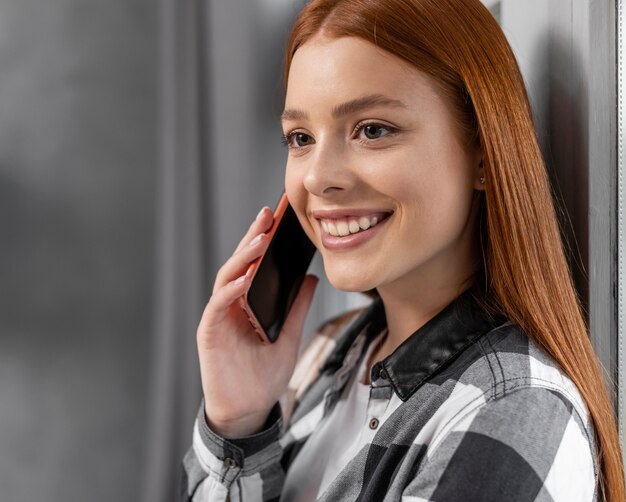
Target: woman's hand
x: 243, y: 378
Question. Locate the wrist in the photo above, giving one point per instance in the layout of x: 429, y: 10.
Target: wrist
x: 238, y: 428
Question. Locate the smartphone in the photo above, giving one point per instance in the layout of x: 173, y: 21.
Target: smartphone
x: 277, y: 274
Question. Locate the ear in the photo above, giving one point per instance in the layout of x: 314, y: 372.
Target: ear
x: 479, y: 181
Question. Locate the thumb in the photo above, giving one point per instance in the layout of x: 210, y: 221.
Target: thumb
x: 295, y: 319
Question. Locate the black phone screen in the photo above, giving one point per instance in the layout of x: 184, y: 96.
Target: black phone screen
x: 280, y: 274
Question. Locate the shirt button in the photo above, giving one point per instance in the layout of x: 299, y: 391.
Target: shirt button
x: 230, y: 463
x: 382, y: 374
x: 373, y: 423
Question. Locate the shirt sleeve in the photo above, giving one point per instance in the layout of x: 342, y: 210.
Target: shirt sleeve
x: 528, y: 445
x: 236, y: 470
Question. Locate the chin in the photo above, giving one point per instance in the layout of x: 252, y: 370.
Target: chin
x: 350, y: 283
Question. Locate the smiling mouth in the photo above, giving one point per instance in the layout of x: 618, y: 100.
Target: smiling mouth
x: 342, y: 227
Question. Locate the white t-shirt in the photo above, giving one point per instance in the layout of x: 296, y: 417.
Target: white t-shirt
x: 346, y: 430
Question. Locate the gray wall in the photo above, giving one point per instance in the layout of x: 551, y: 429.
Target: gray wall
x: 77, y: 180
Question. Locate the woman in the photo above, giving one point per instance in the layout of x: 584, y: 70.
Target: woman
x: 414, y: 168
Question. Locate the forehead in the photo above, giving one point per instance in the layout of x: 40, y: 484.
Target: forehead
x: 341, y: 69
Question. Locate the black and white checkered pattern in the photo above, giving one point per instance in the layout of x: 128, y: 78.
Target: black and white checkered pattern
x: 477, y: 412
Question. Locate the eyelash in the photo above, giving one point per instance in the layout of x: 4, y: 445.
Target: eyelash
x: 287, y: 137
x: 284, y: 138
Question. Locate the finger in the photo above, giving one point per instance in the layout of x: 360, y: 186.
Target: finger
x: 239, y: 263
x: 261, y: 224
x: 295, y: 319
x: 222, y: 299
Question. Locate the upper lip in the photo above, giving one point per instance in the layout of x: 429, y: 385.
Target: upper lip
x: 335, y: 214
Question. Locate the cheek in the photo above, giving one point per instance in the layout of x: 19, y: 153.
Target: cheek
x: 446, y: 204
x: 294, y: 189
x: 433, y: 198
x: 297, y: 196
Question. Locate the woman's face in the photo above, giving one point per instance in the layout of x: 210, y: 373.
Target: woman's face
x: 378, y: 173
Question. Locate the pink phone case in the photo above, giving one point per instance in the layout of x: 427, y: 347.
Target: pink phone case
x: 279, y: 212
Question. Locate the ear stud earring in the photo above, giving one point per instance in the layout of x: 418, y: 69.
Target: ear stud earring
x: 482, y: 181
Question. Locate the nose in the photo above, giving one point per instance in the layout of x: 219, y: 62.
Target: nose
x: 328, y: 171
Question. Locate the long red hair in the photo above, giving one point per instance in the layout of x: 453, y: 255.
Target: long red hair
x: 524, y: 272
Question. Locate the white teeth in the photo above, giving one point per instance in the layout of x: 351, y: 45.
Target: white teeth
x: 354, y: 227
x: 343, y: 228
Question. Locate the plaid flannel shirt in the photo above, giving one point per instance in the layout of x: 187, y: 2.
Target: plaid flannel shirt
x: 477, y: 412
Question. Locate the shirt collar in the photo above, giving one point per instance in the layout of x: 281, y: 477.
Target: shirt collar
x: 426, y: 352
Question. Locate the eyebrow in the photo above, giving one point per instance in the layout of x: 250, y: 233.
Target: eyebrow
x: 349, y: 107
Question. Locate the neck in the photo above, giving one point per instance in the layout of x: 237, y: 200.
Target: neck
x: 407, y: 315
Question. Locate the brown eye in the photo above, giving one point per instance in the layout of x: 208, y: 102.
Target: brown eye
x: 301, y: 139
x: 375, y: 131
x: 295, y: 140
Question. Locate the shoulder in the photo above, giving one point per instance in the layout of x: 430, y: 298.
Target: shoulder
x: 512, y: 403
x: 504, y: 361
x: 508, y: 360
x: 507, y: 365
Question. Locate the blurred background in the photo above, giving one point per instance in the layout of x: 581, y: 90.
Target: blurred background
x: 138, y: 139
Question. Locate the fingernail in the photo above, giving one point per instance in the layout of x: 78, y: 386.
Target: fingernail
x: 256, y: 240
x: 239, y: 280
x: 260, y: 213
